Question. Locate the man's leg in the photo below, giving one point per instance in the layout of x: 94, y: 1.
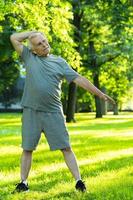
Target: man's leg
x: 25, y: 169
x: 26, y: 160
x: 71, y: 162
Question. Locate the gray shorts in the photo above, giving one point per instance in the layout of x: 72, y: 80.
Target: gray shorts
x: 51, y: 124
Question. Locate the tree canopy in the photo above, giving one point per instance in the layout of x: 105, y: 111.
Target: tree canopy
x: 95, y: 37
x: 105, y: 40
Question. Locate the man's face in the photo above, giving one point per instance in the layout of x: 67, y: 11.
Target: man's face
x: 40, y: 45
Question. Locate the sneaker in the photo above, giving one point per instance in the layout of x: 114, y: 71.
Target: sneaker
x: 21, y: 187
x: 80, y: 186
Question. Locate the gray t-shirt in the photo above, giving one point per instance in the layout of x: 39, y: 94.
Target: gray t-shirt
x: 44, y: 76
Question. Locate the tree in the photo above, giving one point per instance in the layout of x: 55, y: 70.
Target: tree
x: 104, y: 28
x: 9, y: 70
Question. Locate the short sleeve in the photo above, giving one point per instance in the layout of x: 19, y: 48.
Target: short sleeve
x: 69, y: 73
x: 25, y: 54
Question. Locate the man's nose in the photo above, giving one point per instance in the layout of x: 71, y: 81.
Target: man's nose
x: 43, y: 44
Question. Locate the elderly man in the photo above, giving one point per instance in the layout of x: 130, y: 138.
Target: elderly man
x: 42, y: 108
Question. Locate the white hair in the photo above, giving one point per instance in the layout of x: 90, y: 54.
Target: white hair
x: 32, y: 36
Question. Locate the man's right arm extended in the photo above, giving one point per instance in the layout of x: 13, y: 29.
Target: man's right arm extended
x: 18, y: 38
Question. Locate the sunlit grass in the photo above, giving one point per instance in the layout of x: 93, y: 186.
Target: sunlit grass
x: 104, y: 148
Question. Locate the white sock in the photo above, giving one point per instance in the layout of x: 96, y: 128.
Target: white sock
x: 25, y: 182
x: 78, y: 180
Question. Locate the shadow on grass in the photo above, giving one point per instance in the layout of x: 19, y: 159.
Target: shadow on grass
x: 44, y: 182
x: 73, y: 196
x: 108, y: 193
x: 83, y: 147
x: 12, y: 160
x: 114, y: 164
x: 55, y: 178
x: 48, y: 179
x: 103, y: 126
x: 9, y: 140
x: 9, y: 115
x: 10, y: 131
x: 10, y: 123
x: 105, y: 117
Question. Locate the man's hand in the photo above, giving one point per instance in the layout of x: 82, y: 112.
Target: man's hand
x: 107, y: 98
x: 87, y: 85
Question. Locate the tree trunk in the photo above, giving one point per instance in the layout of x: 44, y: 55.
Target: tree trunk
x: 71, y: 105
x: 104, y: 107
x: 64, y: 104
x: 71, y: 102
x: 93, y: 63
x: 116, y: 109
x: 104, y: 103
x: 97, y: 99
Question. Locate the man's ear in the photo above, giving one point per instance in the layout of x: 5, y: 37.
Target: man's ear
x: 33, y: 51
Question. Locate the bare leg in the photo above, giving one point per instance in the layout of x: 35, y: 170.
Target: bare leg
x: 71, y: 162
x: 26, y: 160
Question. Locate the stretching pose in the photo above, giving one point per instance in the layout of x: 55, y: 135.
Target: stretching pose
x: 42, y: 108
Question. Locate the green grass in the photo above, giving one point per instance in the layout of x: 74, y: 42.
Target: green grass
x: 104, y: 149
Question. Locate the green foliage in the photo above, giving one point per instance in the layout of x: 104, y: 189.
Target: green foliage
x: 106, y: 32
x: 9, y: 71
x: 114, y: 77
x: 2, y: 11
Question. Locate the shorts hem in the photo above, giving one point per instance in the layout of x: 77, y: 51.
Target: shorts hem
x: 59, y: 148
x: 29, y: 149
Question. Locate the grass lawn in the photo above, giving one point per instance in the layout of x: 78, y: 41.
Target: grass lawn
x: 104, y: 149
